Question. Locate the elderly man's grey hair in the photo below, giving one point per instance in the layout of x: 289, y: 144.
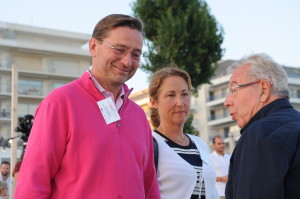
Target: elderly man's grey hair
x: 263, y: 67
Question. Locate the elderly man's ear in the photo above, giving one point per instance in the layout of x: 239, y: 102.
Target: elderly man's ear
x: 265, y: 89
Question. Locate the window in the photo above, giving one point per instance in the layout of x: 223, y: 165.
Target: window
x: 212, y: 115
x: 225, y: 112
x: 58, y: 84
x: 64, y: 67
x: 30, y: 87
x: 224, y: 93
x: 211, y: 96
x: 25, y: 109
x: 226, y: 132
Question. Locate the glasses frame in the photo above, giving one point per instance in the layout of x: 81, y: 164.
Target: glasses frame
x: 120, y: 51
x: 232, y: 90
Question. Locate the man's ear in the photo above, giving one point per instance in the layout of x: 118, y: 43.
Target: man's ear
x: 92, y: 46
x: 265, y: 88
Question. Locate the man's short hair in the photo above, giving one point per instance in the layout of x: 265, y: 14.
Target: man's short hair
x: 113, y: 21
x: 263, y: 67
x: 214, y: 138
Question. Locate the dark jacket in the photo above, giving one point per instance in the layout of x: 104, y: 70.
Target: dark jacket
x: 265, y: 163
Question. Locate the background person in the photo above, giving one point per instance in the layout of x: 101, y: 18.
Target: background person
x: 3, y: 190
x: 265, y: 163
x: 5, y: 177
x: 88, y: 139
x: 220, y: 161
x: 184, y: 169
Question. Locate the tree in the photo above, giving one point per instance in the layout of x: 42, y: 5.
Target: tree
x: 188, y: 127
x: 180, y: 32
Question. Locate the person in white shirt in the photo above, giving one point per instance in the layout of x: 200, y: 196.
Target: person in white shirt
x: 220, y: 161
x: 4, y: 177
x: 3, y: 190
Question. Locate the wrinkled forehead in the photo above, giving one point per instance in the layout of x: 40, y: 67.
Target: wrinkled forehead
x: 125, y: 36
x: 240, y: 75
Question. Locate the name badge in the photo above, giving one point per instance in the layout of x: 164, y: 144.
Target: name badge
x: 108, y: 110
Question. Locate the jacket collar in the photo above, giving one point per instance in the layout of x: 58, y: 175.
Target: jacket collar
x: 268, y: 110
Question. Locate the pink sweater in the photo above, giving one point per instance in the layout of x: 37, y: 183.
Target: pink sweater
x: 72, y: 153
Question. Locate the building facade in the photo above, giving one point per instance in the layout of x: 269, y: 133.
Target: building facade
x: 45, y: 59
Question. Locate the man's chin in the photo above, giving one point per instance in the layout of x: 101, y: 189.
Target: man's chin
x: 122, y: 79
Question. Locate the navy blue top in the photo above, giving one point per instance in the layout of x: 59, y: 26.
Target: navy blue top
x: 265, y: 163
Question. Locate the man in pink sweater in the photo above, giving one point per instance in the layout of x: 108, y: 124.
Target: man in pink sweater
x: 88, y: 139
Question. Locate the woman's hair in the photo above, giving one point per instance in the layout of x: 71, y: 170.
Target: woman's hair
x: 3, y: 186
x: 262, y: 67
x: 156, y: 81
x: 113, y: 21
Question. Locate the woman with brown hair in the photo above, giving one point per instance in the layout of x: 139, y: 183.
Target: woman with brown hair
x: 184, y: 168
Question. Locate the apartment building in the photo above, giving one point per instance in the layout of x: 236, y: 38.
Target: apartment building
x: 45, y: 59
x: 210, y: 116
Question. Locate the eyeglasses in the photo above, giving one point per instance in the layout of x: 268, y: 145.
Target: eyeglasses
x: 122, y: 51
x: 232, y: 90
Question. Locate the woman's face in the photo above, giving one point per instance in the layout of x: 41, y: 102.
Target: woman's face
x: 173, y: 102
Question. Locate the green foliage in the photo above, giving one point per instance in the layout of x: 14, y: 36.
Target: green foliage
x: 180, y: 32
x: 188, y: 127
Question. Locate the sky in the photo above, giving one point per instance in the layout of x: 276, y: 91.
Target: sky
x: 250, y: 26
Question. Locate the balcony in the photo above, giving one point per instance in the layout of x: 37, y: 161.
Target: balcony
x: 40, y: 47
x: 219, y: 119
x: 4, y: 116
x: 220, y: 80
x: 217, y: 99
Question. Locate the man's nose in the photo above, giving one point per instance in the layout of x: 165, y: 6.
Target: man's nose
x: 127, y: 59
x: 227, y: 101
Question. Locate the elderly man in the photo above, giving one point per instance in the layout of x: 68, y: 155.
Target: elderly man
x: 266, y: 160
